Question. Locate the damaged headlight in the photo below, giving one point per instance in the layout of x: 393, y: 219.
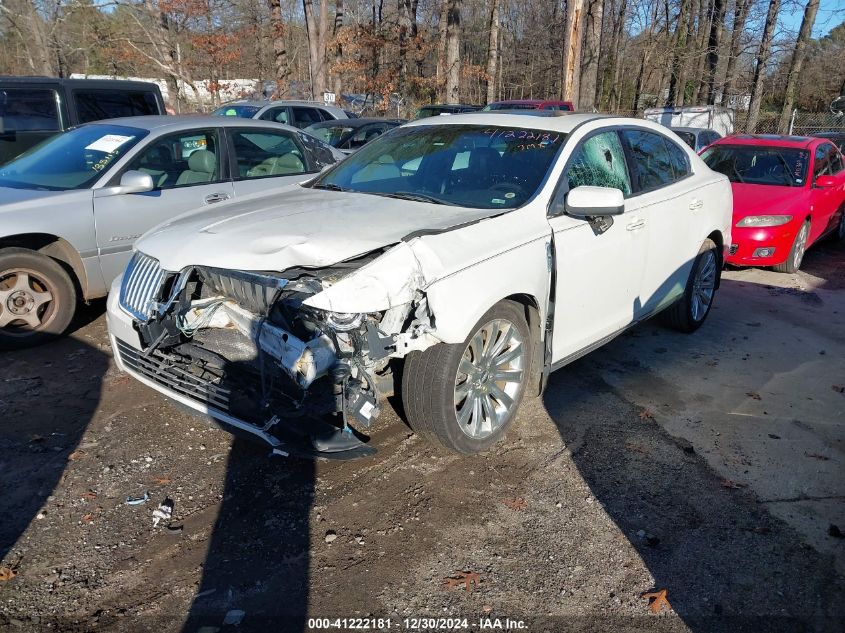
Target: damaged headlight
x: 343, y: 322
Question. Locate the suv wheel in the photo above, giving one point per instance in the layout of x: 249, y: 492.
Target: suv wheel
x: 466, y: 395
x: 37, y: 298
x: 690, y: 311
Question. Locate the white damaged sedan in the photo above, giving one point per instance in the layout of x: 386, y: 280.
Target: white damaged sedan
x: 455, y: 261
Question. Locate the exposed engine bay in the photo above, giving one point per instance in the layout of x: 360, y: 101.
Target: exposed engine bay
x: 248, y: 345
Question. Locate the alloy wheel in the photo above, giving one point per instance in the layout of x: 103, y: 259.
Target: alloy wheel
x: 26, y: 301
x: 703, y: 286
x: 489, y: 377
x: 800, y: 246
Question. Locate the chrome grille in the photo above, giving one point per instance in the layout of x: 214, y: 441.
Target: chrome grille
x: 141, y: 283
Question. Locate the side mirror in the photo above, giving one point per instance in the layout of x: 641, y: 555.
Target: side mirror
x: 825, y: 182
x: 590, y: 202
x: 132, y: 181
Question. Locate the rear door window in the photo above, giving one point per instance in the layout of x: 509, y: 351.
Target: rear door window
x: 651, y: 165
x: 678, y: 158
x: 303, y: 117
x: 27, y: 110
x: 278, y: 114
x: 95, y: 105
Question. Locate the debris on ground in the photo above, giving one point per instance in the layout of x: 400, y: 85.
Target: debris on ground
x: 136, y: 501
x: 729, y: 483
x: 818, y: 456
x: 89, y: 495
x: 7, y: 573
x: 657, y: 600
x: 516, y: 504
x: 234, y: 617
x: 834, y: 531
x: 636, y: 448
x: 754, y: 395
x: 161, y: 481
x: 645, y: 414
x: 331, y: 536
x: 465, y: 578
x: 164, y: 512
x: 838, y: 388
x: 76, y: 455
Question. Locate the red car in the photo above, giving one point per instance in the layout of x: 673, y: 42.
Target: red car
x: 789, y: 192
x: 529, y: 104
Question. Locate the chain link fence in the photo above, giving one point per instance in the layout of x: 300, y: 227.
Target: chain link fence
x: 801, y: 124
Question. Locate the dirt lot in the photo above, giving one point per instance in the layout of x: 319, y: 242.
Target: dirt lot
x: 709, y: 465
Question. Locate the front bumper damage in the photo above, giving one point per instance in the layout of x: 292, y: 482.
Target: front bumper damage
x: 245, y: 349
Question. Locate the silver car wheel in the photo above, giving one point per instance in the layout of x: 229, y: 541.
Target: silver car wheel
x: 489, y: 378
x: 703, y: 286
x: 25, y: 298
x: 800, y: 246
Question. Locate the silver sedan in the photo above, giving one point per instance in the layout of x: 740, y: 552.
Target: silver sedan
x: 72, y: 207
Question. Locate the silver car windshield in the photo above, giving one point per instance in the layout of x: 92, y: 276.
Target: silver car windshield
x: 469, y: 166
x: 73, y: 160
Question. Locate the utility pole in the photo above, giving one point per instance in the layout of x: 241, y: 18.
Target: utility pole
x: 571, y: 71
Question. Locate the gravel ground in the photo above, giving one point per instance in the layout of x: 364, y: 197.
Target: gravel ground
x: 589, y: 503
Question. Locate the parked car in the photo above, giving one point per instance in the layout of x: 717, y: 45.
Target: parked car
x: 696, y: 137
x: 471, y: 254
x: 299, y: 114
x: 789, y: 192
x: 71, y: 208
x: 347, y: 135
x: 444, y: 108
x: 35, y: 108
x: 837, y: 138
x: 530, y: 104
x: 717, y: 118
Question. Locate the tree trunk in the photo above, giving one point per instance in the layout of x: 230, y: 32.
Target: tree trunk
x: 316, y: 29
x: 760, y: 67
x: 618, y: 27
x: 717, y: 18
x: 797, y: 61
x: 493, y: 51
x: 442, y: 31
x: 676, y: 89
x: 337, y: 86
x: 280, y: 52
x: 704, y: 13
x: 571, y: 71
x: 404, y: 11
x: 453, y: 52
x: 590, y: 56
x: 740, y: 16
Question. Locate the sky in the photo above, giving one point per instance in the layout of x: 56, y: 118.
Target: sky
x: 831, y: 13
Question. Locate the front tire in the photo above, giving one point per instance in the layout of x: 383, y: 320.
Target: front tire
x: 37, y: 299
x: 796, y: 253
x: 465, y: 396
x: 688, y: 314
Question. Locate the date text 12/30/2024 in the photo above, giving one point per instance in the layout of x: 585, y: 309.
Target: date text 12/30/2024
x: 417, y: 624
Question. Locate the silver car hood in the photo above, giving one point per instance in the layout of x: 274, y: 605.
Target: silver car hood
x: 301, y: 227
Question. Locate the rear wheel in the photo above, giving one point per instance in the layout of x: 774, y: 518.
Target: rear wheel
x: 840, y: 233
x: 796, y: 253
x: 37, y: 298
x: 466, y: 395
x: 689, y: 313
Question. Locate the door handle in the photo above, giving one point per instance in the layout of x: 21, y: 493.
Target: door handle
x: 695, y: 203
x: 216, y: 197
x: 635, y: 225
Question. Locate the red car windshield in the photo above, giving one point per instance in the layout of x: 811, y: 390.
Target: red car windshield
x: 747, y: 164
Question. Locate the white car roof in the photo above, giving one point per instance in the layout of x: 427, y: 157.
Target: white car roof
x: 563, y: 124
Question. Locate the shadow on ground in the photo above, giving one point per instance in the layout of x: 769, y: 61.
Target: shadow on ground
x: 689, y: 526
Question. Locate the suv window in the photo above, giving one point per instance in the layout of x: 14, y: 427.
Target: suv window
x: 600, y: 162
x: 179, y: 160
x: 303, y: 117
x: 26, y: 110
x: 651, y: 165
x: 278, y: 114
x: 260, y: 154
x: 95, y: 105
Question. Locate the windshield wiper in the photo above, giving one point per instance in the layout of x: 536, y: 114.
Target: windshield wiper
x: 327, y: 186
x: 416, y: 197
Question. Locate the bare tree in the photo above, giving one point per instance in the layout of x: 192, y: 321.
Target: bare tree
x: 22, y: 17
x: 317, y: 28
x: 493, y: 51
x: 337, y: 86
x: 717, y: 18
x: 676, y: 80
x: 797, y: 61
x: 571, y: 71
x: 763, y: 55
x: 590, y: 55
x: 442, y: 32
x: 737, y: 29
x: 453, y: 52
x: 280, y: 51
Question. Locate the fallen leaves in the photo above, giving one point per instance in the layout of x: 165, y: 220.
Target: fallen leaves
x: 733, y: 485
x: 161, y: 481
x: 657, y: 600
x: 466, y: 578
x: 76, y: 455
x: 516, y: 504
x: 645, y: 414
x: 838, y: 388
x: 754, y: 395
x: 7, y: 573
x: 90, y: 495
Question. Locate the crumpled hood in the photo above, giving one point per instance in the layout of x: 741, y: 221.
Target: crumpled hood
x: 301, y: 227
x: 766, y: 200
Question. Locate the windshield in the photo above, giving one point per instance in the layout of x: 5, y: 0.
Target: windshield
x: 73, y: 160
x: 332, y: 135
x: 462, y: 165
x: 509, y: 106
x: 779, y: 166
x: 242, y: 111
